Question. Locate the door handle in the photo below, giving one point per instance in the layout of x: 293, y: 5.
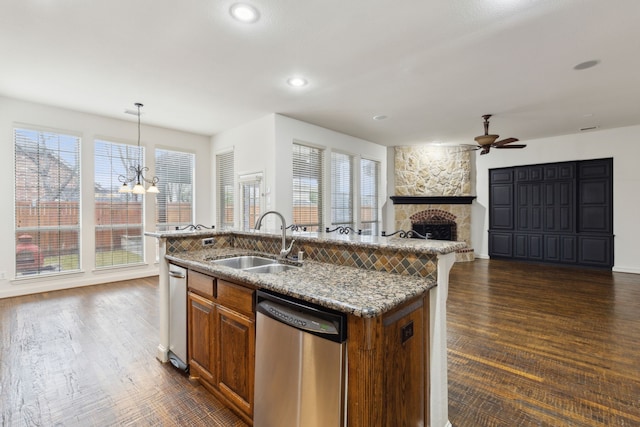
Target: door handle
x: 177, y: 275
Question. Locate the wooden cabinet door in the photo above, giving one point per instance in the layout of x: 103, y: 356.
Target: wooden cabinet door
x: 500, y: 244
x: 595, y: 196
x: 559, y: 206
x: 201, y: 324
x: 236, y: 356
x: 529, y: 207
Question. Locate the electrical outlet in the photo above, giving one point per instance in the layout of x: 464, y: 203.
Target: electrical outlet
x: 3, y: 275
x: 406, y: 332
x: 207, y: 242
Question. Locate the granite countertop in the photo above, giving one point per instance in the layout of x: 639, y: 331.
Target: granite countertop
x: 351, y: 290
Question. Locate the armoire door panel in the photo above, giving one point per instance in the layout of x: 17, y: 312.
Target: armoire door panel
x: 568, y: 252
x: 535, y: 243
x: 520, y: 246
x: 500, y: 244
x: 552, y: 248
x: 594, y: 250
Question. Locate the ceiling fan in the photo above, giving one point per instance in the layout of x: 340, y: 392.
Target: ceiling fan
x: 486, y: 141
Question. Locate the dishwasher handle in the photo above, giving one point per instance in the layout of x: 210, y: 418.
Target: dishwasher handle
x: 177, y: 274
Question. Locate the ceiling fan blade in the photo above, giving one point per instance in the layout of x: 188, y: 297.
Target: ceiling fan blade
x: 512, y: 146
x: 505, y: 142
x: 485, y: 149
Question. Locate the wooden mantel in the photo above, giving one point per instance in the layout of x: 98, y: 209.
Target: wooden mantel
x: 432, y: 200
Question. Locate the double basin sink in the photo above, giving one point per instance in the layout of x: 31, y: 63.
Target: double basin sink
x: 254, y: 264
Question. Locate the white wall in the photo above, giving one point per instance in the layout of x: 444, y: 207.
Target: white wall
x: 89, y: 127
x: 622, y: 144
x: 265, y: 144
x: 289, y: 130
x: 254, y: 151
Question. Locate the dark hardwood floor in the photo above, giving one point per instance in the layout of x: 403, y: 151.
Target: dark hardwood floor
x: 528, y: 346
x: 86, y: 357
x: 532, y: 345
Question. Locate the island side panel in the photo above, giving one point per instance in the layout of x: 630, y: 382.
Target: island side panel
x: 388, y: 375
x: 406, y: 380
x: 364, y: 372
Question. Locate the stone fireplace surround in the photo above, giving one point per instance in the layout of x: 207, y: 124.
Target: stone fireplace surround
x: 434, y: 180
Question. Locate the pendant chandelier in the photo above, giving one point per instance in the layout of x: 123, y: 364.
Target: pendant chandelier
x: 136, y: 173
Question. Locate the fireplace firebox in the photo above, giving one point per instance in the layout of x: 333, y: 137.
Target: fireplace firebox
x: 438, y: 224
x: 434, y: 231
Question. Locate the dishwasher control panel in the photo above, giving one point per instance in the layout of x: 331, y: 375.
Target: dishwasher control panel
x: 302, y: 315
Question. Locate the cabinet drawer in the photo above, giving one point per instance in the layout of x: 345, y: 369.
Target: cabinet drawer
x: 236, y: 297
x: 201, y: 284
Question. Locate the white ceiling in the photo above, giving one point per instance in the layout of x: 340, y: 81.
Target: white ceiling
x: 432, y: 66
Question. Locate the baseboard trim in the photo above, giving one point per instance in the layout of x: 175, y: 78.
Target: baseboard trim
x: 632, y: 270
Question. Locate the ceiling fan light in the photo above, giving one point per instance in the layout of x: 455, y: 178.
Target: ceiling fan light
x: 486, y: 139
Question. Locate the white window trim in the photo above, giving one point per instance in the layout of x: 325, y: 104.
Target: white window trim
x: 48, y: 276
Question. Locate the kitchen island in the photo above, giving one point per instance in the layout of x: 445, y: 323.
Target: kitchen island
x: 382, y: 284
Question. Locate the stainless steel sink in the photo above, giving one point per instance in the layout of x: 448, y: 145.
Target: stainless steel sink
x: 253, y: 264
x: 271, y: 268
x: 243, y: 262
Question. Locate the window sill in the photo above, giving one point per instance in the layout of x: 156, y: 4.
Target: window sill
x: 120, y: 267
x: 35, y: 278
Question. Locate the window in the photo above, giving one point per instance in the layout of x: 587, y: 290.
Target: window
x: 250, y: 193
x: 118, y: 216
x: 174, y: 203
x: 341, y: 189
x: 307, y: 187
x: 47, y: 202
x: 369, y: 179
x: 225, y: 173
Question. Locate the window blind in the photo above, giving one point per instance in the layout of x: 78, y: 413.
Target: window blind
x: 225, y: 189
x: 369, y: 183
x: 47, y: 202
x: 307, y: 187
x: 174, y: 203
x: 118, y: 216
x: 341, y: 189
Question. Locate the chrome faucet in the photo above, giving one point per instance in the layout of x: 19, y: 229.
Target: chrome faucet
x: 284, y: 251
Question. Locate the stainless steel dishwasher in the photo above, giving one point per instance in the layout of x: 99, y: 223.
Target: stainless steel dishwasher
x: 300, y: 364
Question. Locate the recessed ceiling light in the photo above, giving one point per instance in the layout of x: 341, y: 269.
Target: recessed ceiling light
x: 380, y: 117
x: 244, y: 13
x: 297, y: 81
x: 586, y: 64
